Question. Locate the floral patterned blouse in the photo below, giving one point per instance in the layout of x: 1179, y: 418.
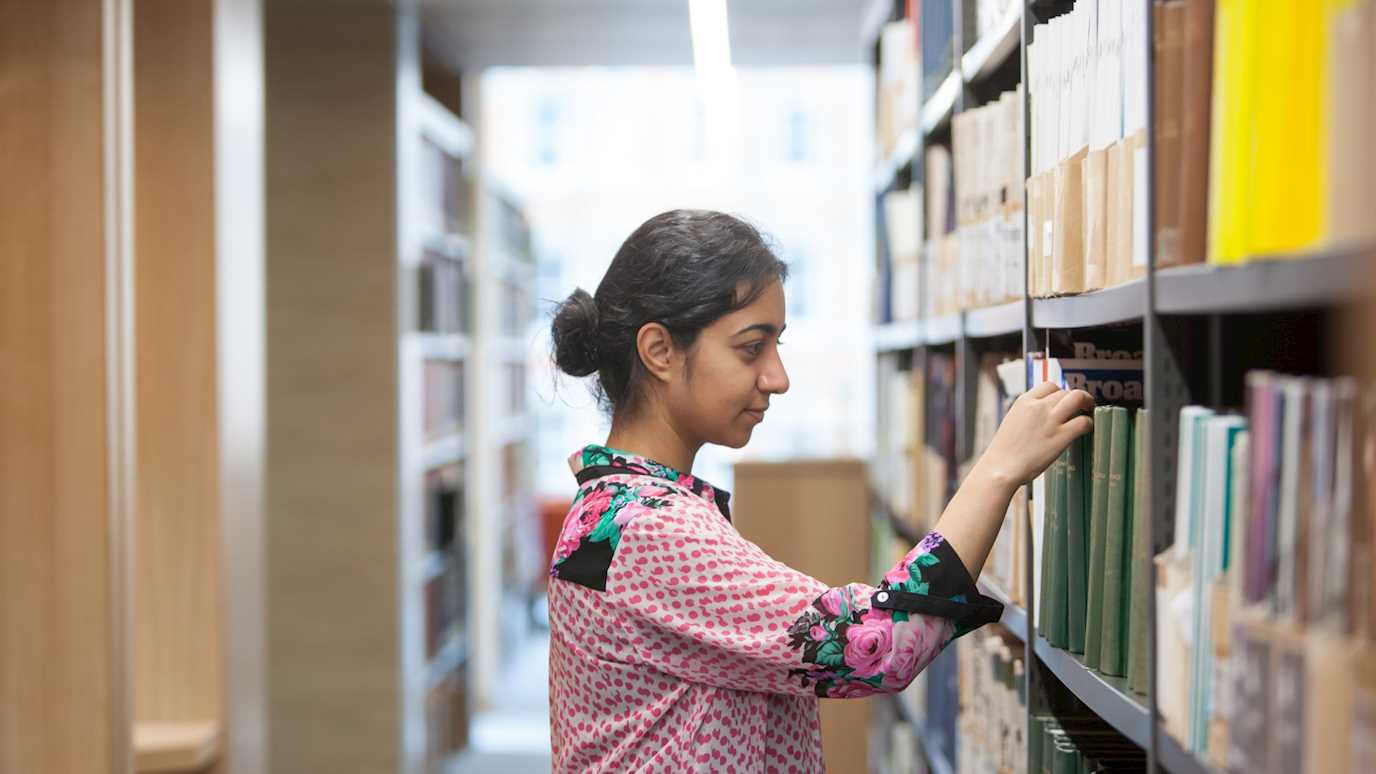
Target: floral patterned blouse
x: 677, y: 645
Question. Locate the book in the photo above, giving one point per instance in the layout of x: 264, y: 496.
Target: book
x: 898, y: 84
x: 1053, y: 622
x: 1141, y: 552
x: 1116, y: 579
x: 1195, y: 112
x: 1168, y: 32
x: 1077, y: 544
x: 1098, y: 521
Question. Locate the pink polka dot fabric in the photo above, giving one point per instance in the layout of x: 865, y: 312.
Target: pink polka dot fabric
x: 703, y: 654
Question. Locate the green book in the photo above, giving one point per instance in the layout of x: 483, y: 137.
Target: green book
x: 1117, y: 541
x: 1141, y: 560
x: 1077, y: 543
x: 1098, y: 514
x: 1067, y: 759
x: 1056, y: 631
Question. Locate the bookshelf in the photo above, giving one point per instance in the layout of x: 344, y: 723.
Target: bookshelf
x: 505, y: 558
x: 991, y: 321
x: 1121, y: 304
x: 1330, y: 278
x: 1185, y: 319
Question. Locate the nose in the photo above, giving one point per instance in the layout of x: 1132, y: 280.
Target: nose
x: 774, y: 378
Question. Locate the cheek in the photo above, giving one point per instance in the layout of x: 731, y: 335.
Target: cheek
x: 725, y: 385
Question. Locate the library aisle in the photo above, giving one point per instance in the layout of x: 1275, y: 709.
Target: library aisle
x: 285, y: 454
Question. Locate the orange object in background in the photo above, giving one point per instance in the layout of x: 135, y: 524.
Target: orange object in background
x: 552, y: 512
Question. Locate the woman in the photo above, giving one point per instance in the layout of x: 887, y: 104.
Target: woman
x: 676, y: 644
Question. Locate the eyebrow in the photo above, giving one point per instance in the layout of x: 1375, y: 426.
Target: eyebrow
x: 768, y: 328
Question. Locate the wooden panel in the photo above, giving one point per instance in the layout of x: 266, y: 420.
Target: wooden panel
x: 814, y: 517
x: 62, y: 503
x: 334, y: 661
x: 161, y: 748
x: 179, y: 672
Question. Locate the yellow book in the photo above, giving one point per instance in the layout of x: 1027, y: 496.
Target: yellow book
x: 1290, y: 57
x: 1231, y: 137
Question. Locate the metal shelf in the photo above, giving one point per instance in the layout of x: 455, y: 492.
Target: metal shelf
x: 1001, y: 320
x: 444, y: 346
x: 1123, y: 303
x: 898, y: 336
x: 1176, y: 759
x: 454, y: 246
x: 444, y: 451
x: 938, y: 109
x: 1014, y: 617
x: 1107, y: 697
x: 451, y: 655
x: 992, y: 50
x: 1272, y: 284
x: 943, y: 330
x: 514, y: 429
x: 904, y: 151
x: 433, y: 565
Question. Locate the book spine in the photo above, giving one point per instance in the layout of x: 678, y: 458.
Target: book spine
x: 1098, y: 509
x: 1077, y: 543
x: 1111, y: 660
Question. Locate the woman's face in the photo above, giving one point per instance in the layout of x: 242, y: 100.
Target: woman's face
x: 731, y: 373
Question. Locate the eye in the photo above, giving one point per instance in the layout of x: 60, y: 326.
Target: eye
x: 754, y: 349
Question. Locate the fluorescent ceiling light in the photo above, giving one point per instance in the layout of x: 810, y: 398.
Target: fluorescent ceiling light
x: 711, y: 41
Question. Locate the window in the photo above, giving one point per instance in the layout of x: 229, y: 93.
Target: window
x: 798, y: 136
x: 547, y: 115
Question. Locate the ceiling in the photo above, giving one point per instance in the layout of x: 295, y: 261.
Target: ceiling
x: 467, y: 34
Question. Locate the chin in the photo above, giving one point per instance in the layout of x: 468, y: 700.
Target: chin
x: 735, y: 440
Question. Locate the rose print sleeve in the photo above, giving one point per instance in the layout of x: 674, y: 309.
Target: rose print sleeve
x: 712, y: 607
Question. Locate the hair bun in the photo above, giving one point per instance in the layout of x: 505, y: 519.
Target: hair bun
x: 575, y: 335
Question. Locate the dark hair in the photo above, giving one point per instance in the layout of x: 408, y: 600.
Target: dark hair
x: 682, y: 269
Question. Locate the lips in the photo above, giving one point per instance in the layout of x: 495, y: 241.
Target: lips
x: 758, y: 414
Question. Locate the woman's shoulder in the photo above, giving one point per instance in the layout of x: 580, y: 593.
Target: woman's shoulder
x: 607, y: 508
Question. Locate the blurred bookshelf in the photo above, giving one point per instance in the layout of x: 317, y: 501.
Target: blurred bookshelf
x: 439, y: 365
x: 969, y: 277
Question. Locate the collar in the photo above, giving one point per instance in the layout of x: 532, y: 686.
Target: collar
x: 594, y: 461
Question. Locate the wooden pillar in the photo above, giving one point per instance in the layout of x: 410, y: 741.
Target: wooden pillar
x: 333, y: 557
x: 66, y: 405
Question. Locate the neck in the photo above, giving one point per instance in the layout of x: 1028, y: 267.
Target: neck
x: 653, y: 437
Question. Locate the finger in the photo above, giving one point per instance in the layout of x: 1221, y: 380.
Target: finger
x: 1044, y: 389
x: 1081, y: 425
x: 1071, y: 404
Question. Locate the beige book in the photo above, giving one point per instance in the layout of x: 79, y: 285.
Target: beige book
x: 1221, y: 686
x: 1067, y: 249
x: 1352, y: 123
x: 1096, y: 219
x: 1331, y: 662
x: 1172, y: 651
x: 1116, y: 231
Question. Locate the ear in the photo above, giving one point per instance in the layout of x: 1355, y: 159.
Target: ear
x: 656, y: 349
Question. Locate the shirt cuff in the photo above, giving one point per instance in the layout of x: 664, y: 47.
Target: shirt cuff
x: 940, y: 586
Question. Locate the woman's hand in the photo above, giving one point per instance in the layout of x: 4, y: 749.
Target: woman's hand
x: 1041, y: 423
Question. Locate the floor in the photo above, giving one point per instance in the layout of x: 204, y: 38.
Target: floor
x: 512, y: 737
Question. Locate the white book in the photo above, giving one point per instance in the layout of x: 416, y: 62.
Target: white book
x: 1185, y: 483
x: 1210, y: 510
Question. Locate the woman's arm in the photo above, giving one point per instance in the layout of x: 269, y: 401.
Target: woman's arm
x: 708, y: 606
x: 1041, y: 423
